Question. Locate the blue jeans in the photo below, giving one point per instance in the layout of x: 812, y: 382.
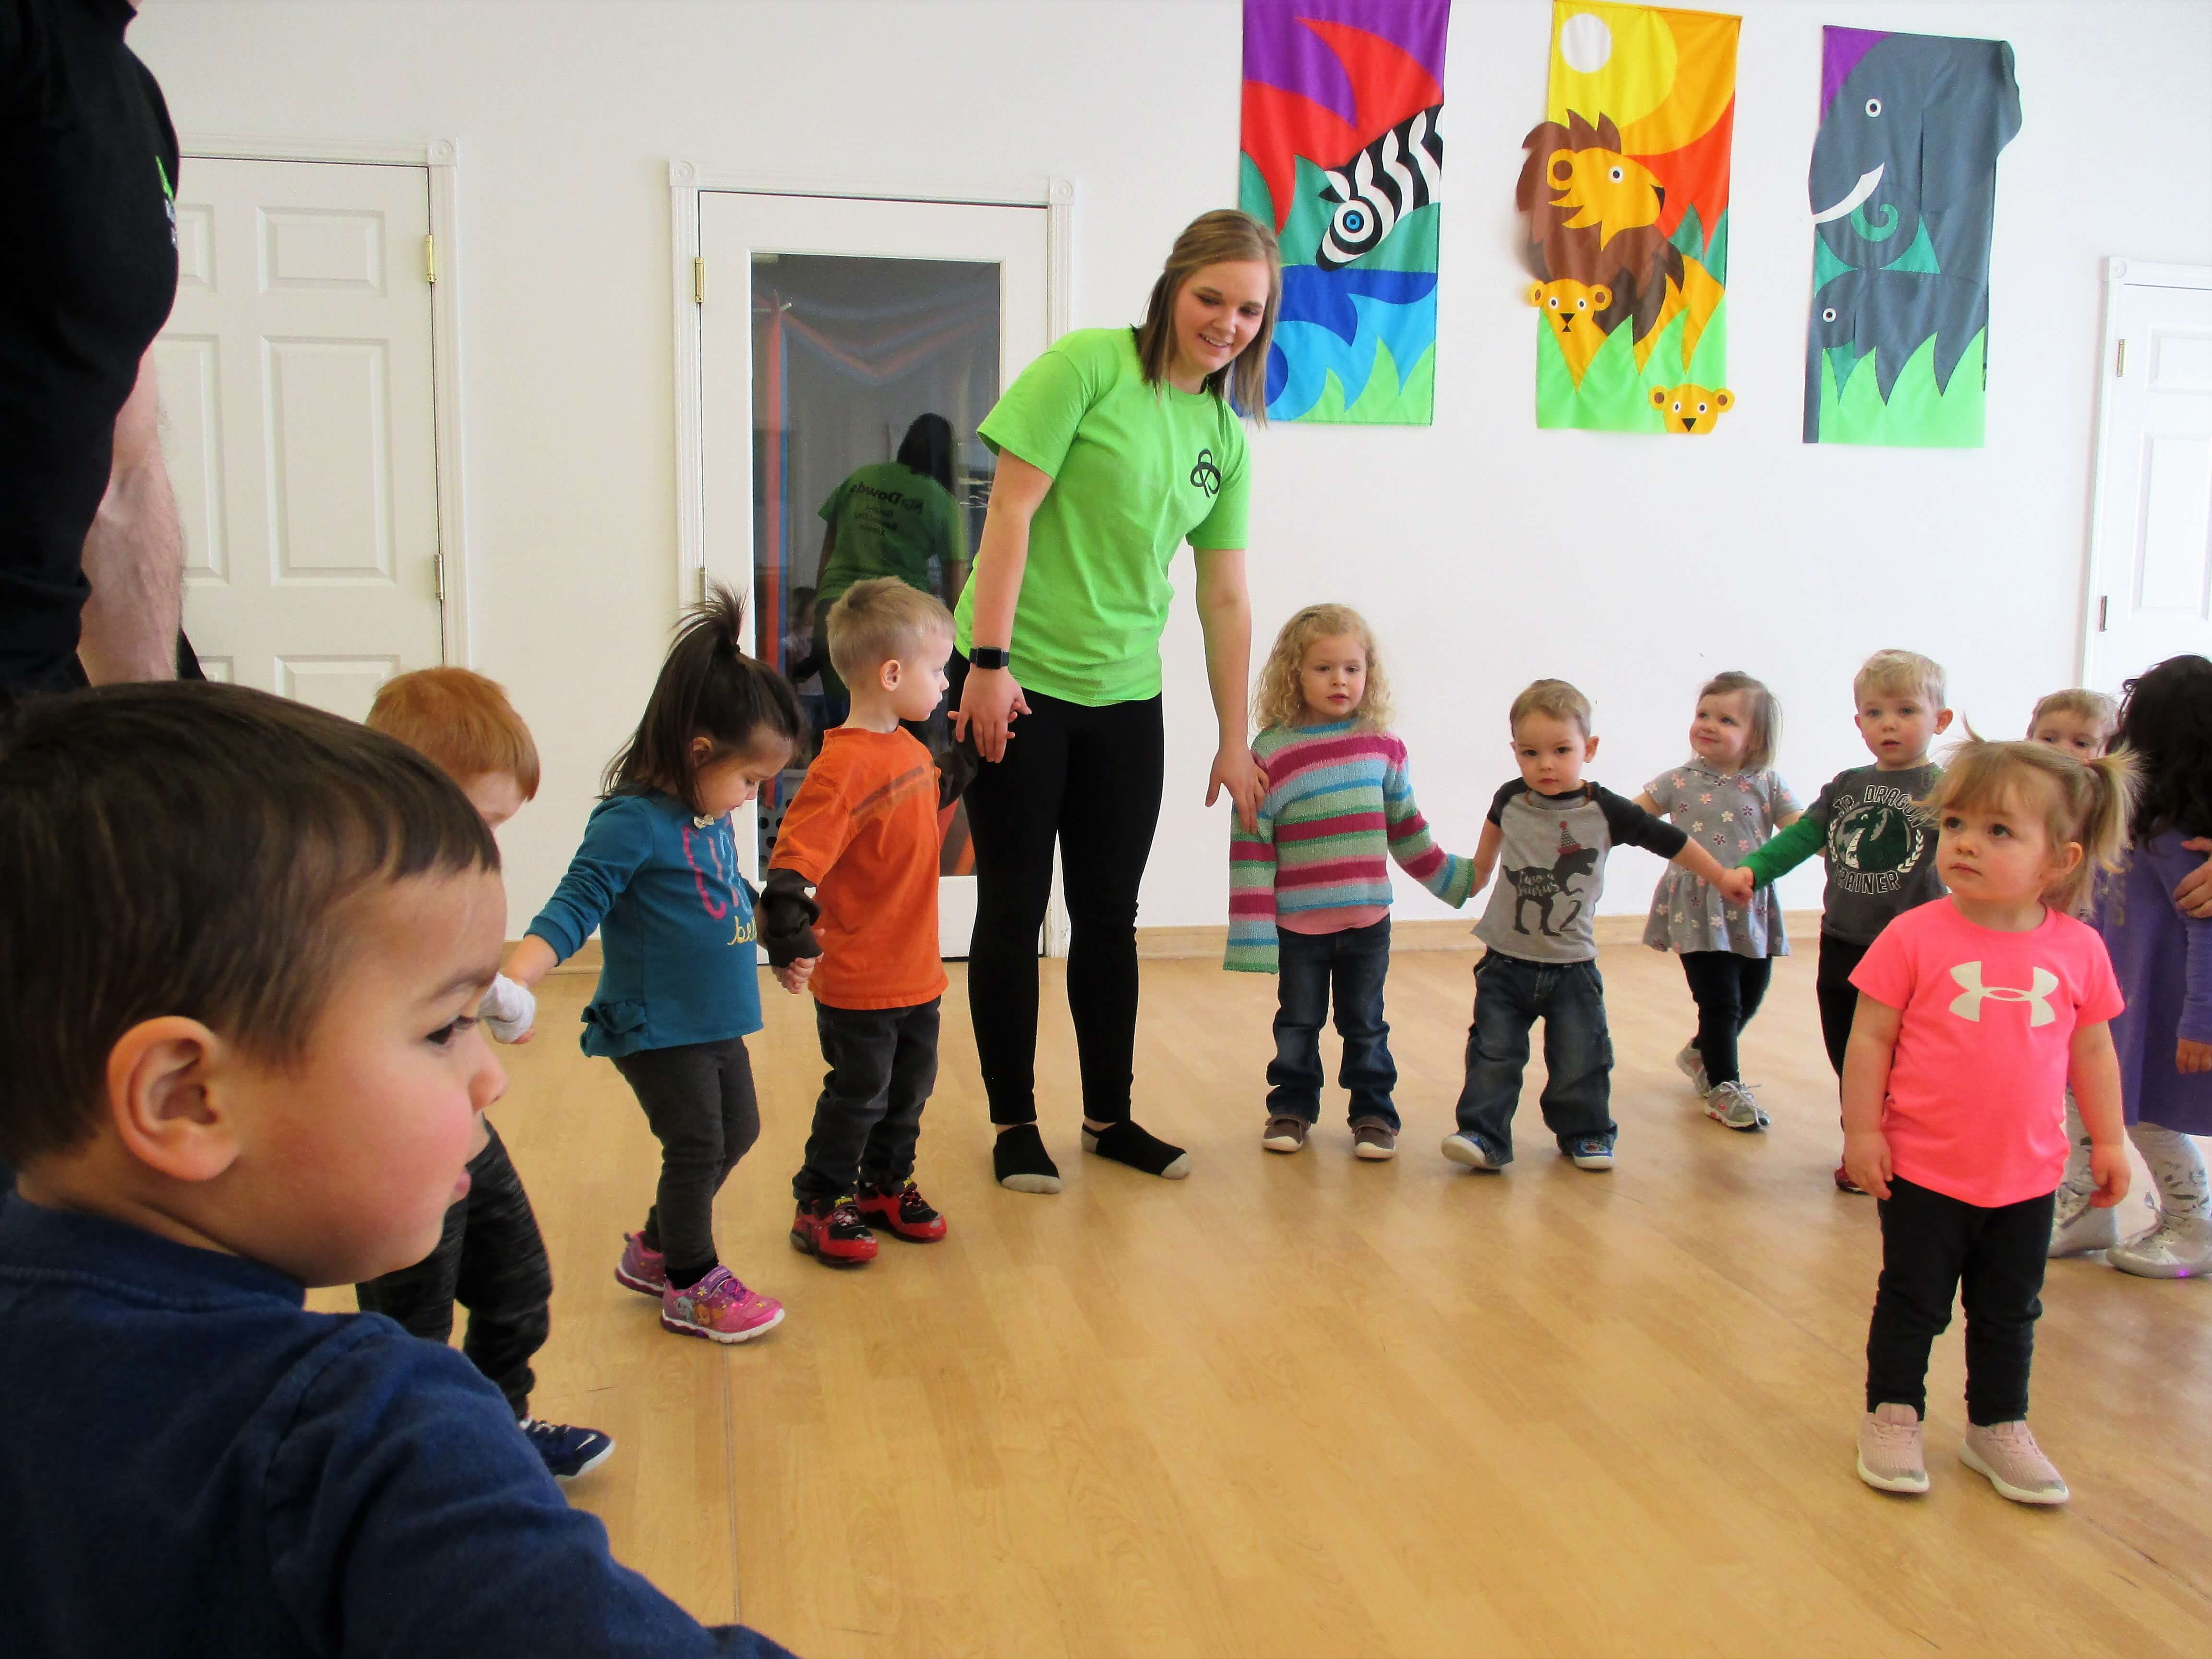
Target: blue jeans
x: 1509, y: 996
x: 1356, y: 960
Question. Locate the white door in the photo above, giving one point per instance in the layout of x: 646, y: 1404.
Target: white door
x: 297, y: 422
x: 832, y: 328
x: 2151, y: 570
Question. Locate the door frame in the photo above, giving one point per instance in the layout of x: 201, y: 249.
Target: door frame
x: 687, y: 181
x: 2120, y: 274
x: 441, y: 159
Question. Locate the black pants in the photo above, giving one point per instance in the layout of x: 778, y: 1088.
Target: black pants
x: 698, y: 1097
x: 491, y: 1260
x: 1089, y: 779
x: 883, y: 1064
x: 1839, y: 998
x: 1934, y: 1246
x: 1727, y: 989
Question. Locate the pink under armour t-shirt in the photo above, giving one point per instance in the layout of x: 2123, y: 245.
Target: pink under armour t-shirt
x: 1976, y: 1102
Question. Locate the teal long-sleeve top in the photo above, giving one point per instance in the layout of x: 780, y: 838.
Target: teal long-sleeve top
x: 678, y: 962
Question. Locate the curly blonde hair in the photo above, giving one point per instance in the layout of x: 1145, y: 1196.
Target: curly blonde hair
x: 1277, y: 699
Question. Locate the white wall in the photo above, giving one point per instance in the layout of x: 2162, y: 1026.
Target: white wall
x: 1484, y: 552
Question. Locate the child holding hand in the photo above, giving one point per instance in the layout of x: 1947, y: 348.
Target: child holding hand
x: 1975, y: 1012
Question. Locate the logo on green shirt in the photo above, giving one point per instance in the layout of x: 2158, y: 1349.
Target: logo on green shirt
x: 1206, y: 475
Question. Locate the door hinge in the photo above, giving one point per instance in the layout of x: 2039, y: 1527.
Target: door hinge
x: 699, y: 282
x: 2120, y: 361
x: 430, y: 260
x: 438, y: 574
x: 2104, y: 602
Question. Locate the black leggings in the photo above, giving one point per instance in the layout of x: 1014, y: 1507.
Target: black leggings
x: 1727, y: 989
x: 1090, y: 778
x: 1839, y: 998
x: 698, y: 1097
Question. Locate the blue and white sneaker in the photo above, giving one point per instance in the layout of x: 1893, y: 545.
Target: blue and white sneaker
x: 568, y: 1452
x: 1474, y: 1152
x: 1591, y: 1152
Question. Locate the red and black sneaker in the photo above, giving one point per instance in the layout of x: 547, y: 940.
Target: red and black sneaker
x: 905, y: 1211
x: 831, y: 1230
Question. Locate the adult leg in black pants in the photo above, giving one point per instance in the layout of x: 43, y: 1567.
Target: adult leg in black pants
x: 1087, y: 780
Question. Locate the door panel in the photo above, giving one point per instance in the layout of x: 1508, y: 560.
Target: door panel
x: 298, y: 426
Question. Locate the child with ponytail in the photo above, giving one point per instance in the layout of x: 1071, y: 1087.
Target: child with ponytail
x: 657, y: 876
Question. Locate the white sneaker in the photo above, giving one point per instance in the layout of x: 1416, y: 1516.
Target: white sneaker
x: 1731, y: 1103
x: 2179, y: 1247
x: 1463, y: 1148
x: 1691, y: 1065
x: 2076, y: 1229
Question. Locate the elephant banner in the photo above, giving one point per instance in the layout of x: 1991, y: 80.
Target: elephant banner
x: 1625, y: 194
x: 1343, y: 156
x: 1903, y: 195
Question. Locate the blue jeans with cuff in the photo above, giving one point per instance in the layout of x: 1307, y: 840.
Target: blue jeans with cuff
x: 1309, y: 965
x: 1511, y: 996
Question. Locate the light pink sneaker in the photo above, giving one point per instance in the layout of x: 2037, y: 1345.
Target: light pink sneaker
x: 1891, y: 1458
x: 640, y: 1269
x: 720, y: 1309
x: 2007, y: 1454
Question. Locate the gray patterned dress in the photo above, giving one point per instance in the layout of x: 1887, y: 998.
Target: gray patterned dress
x: 1727, y: 814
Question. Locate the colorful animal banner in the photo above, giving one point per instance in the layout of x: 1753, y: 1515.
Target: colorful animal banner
x: 1343, y: 156
x: 1903, y: 189
x: 1625, y: 191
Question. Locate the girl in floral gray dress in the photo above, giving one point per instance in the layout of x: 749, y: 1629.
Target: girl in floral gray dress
x: 1728, y: 798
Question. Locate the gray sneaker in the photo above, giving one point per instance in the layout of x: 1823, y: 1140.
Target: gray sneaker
x: 1691, y: 1065
x: 2076, y: 1229
x: 2179, y: 1247
x: 1731, y: 1103
x: 2007, y: 1454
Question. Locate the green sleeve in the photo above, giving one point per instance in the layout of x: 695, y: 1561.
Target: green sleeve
x: 828, y: 513
x: 1036, y: 419
x: 1786, y: 851
x: 1228, y: 525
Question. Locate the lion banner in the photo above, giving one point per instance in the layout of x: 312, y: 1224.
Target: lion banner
x: 1625, y: 190
x: 1904, y: 191
x: 1343, y: 156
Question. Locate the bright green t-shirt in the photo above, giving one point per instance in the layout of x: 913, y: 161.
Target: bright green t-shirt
x: 889, y: 522
x: 1135, y: 472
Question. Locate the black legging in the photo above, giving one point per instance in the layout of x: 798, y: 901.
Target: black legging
x: 1727, y: 989
x: 1089, y: 778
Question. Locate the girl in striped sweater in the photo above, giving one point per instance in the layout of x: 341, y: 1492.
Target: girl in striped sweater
x: 1309, y: 889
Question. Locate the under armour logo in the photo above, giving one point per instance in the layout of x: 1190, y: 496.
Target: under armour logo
x: 1206, y: 475
x: 1968, y: 1004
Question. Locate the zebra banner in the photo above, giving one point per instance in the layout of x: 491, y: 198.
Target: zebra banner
x: 1343, y: 156
x: 1626, y: 193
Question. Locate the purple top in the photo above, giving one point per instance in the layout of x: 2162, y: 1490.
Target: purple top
x: 2164, y: 962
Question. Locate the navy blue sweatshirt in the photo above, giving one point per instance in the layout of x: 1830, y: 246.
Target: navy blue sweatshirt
x: 190, y: 1463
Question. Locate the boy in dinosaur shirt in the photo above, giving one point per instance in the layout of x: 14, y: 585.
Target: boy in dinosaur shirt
x: 1553, y: 830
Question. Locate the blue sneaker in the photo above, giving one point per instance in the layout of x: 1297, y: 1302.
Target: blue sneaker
x: 1471, y: 1150
x: 567, y: 1452
x: 1591, y: 1152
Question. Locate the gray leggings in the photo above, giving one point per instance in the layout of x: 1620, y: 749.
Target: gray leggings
x: 699, y: 1099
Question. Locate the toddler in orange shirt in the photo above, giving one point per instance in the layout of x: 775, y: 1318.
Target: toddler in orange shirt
x: 863, y: 832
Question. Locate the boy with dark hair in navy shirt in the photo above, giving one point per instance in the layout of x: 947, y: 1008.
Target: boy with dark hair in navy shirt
x: 242, y: 944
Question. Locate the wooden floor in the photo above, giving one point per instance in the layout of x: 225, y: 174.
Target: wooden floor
x: 1304, y: 1406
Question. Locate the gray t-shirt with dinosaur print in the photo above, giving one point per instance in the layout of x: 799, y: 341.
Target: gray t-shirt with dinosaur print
x: 1550, y: 867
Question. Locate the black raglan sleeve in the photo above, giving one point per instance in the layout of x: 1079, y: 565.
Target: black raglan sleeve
x: 1629, y: 825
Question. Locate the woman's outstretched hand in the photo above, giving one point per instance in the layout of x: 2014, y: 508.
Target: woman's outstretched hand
x: 988, y: 703
x: 1237, y: 769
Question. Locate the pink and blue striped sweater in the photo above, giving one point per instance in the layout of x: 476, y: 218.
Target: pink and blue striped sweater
x: 1338, y: 800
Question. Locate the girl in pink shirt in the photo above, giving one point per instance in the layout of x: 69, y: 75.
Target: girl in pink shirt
x: 1975, y: 1012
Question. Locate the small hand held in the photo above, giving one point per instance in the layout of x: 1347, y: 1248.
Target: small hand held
x: 988, y: 703
x: 2194, y: 896
x: 793, y: 975
x: 1238, y: 771
x: 1866, y: 1160
x: 2192, y: 1056
x: 2108, y: 1165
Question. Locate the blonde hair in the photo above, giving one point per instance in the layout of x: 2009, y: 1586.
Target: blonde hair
x: 1766, y: 714
x: 2094, y: 706
x: 2086, y: 802
x: 878, y: 619
x: 1277, y: 699
x: 460, y: 722
x: 1553, y: 697
x: 1897, y: 671
x: 1226, y: 236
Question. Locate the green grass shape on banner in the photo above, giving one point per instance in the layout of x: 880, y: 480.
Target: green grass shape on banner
x: 1384, y: 402
x: 1916, y: 416
x: 1614, y: 397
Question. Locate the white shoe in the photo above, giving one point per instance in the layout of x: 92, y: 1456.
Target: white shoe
x: 2076, y: 1229
x: 1731, y: 1103
x: 1691, y: 1065
x: 1466, y: 1148
x: 2179, y: 1247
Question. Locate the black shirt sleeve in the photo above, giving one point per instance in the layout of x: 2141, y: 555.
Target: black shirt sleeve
x: 1505, y: 793
x: 1629, y: 825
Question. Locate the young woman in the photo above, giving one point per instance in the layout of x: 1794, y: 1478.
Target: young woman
x: 1115, y: 447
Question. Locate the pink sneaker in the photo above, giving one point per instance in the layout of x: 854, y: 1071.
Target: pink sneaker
x: 720, y: 1309
x: 641, y: 1269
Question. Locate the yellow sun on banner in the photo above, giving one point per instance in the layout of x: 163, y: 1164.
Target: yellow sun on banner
x: 1622, y: 62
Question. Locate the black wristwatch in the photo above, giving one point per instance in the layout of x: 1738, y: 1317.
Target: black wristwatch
x: 987, y: 656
